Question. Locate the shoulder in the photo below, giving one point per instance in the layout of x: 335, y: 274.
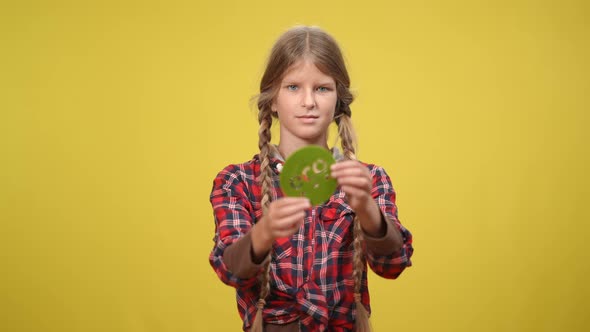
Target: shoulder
x: 381, y: 180
x: 241, y: 168
x: 246, y: 171
x: 375, y: 169
x: 236, y: 180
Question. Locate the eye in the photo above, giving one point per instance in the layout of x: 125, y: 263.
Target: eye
x: 323, y: 89
x: 291, y: 87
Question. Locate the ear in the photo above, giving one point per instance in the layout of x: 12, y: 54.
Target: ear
x: 273, y: 107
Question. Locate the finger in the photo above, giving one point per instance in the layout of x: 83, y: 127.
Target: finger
x: 355, y: 170
x: 361, y: 183
x: 281, y: 210
x: 345, y: 164
x: 291, y: 200
x: 287, y: 232
x: 351, y: 192
x: 289, y: 223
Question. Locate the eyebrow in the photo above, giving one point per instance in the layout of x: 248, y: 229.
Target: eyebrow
x: 320, y: 84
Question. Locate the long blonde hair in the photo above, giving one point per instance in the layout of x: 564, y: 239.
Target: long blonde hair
x: 316, y: 45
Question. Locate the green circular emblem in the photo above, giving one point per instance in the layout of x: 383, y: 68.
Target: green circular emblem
x: 306, y: 173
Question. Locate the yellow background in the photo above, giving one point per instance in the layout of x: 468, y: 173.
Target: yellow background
x: 116, y: 116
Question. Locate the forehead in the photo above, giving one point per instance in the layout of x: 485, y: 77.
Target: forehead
x: 305, y: 69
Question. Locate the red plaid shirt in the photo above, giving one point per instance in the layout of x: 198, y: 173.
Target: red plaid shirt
x: 311, y: 272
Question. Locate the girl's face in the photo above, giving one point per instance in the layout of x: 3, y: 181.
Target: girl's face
x: 305, y: 104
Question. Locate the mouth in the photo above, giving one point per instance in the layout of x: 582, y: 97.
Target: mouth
x: 308, y: 119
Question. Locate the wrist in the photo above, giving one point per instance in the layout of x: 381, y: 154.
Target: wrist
x: 371, y: 219
x: 261, y: 239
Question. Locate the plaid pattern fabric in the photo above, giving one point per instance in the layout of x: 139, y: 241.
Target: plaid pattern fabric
x: 311, y: 272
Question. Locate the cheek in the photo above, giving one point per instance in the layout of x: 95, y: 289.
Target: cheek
x: 282, y: 101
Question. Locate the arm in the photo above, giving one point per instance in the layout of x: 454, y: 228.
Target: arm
x: 241, y: 247
x: 371, y: 196
x: 230, y: 257
x: 388, y: 263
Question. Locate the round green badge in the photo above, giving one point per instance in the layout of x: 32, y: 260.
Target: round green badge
x: 306, y: 173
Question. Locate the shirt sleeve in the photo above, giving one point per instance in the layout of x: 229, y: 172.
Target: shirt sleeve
x: 233, y: 214
x: 382, y: 261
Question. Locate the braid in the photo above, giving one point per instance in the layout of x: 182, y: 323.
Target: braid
x: 265, y: 120
x: 348, y: 141
x: 265, y: 179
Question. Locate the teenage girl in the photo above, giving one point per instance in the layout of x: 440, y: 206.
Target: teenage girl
x: 298, y: 267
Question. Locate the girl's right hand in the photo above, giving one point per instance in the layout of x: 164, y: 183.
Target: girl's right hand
x: 283, y: 219
x: 285, y: 216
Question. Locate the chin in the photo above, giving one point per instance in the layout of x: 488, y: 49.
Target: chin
x: 314, y: 139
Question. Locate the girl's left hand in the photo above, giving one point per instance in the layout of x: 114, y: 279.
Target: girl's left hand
x: 355, y: 180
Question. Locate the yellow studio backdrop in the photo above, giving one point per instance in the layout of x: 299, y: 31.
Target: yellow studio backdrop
x: 116, y: 116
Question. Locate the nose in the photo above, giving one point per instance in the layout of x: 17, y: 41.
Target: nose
x: 308, y: 99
